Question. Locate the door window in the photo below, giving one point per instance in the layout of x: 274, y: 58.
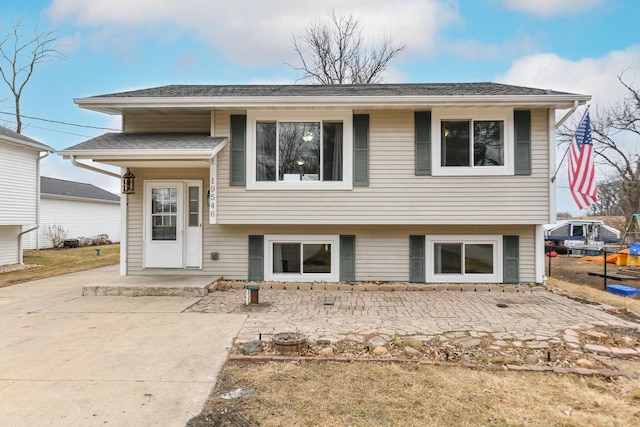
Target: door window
x: 164, y: 214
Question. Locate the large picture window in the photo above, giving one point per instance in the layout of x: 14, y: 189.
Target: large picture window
x: 299, y: 150
x: 481, y: 143
x: 464, y: 258
x: 301, y: 258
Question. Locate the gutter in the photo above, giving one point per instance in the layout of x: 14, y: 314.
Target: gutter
x: 568, y: 114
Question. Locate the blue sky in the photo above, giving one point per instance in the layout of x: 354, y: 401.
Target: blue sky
x: 113, y: 45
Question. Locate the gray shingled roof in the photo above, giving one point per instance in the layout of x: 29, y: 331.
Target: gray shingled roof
x: 149, y: 141
x: 406, y: 89
x: 61, y: 187
x: 16, y: 137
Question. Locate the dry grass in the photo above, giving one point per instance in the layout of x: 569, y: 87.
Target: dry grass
x: 330, y: 394
x: 54, y: 262
x: 379, y: 394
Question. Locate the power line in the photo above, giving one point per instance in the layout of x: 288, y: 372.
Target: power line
x: 60, y: 122
x: 54, y: 130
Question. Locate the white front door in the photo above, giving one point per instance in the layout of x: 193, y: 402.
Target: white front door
x: 164, y: 224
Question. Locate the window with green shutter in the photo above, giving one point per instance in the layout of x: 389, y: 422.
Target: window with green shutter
x: 522, y: 125
x: 361, y: 149
x: 238, y: 143
x: 416, y: 259
x: 347, y: 258
x: 510, y: 259
x: 423, y: 142
x: 256, y: 258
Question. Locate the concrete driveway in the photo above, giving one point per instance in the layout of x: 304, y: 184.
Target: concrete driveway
x: 69, y: 360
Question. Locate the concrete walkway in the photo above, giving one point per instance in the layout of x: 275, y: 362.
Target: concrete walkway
x: 68, y: 360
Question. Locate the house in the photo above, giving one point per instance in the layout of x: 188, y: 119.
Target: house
x: 82, y: 210
x: 19, y: 186
x: 391, y: 182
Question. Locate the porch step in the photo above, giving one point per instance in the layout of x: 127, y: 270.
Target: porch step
x: 142, y: 286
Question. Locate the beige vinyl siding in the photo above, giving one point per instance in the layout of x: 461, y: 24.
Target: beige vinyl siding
x: 395, y: 195
x: 382, y: 252
x: 167, y: 123
x: 9, y: 244
x: 18, y: 185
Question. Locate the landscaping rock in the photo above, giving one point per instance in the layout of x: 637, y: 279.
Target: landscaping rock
x: 380, y: 351
x: 412, y: 351
x: 584, y: 363
x: 469, y: 342
x: 531, y: 359
x: 377, y: 341
x: 252, y: 347
x: 327, y: 351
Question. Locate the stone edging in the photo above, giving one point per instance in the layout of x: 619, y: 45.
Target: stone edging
x: 385, y: 287
x: 607, y: 373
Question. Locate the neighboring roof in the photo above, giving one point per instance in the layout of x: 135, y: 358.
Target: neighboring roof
x: 76, y: 190
x: 21, y: 140
x: 149, y: 141
x: 202, y: 98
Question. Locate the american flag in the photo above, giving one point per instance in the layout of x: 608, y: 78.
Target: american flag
x: 582, y: 180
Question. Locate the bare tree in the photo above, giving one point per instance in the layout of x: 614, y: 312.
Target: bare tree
x: 18, y: 58
x: 335, y: 53
x: 616, y: 142
x: 609, y: 201
x: 616, y: 136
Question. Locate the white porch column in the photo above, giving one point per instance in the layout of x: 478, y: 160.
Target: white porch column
x: 213, y: 191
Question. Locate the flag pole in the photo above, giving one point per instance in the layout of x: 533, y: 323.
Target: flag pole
x: 553, y: 178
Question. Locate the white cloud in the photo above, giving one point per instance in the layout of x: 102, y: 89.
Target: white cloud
x: 590, y: 76
x: 550, y: 8
x: 255, y: 31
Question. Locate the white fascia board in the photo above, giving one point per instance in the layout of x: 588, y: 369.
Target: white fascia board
x: 138, y: 154
x: 26, y: 144
x: 177, y: 154
x: 117, y: 105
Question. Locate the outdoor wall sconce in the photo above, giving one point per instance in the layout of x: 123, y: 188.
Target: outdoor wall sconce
x: 128, y: 183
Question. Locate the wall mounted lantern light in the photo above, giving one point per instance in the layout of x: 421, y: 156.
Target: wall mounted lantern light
x: 128, y: 183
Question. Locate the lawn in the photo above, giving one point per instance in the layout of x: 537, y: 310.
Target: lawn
x: 384, y: 394
x: 54, y: 262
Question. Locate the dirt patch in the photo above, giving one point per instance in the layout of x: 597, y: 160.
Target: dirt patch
x: 572, y: 269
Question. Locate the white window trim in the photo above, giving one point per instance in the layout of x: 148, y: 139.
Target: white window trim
x: 495, y: 240
x: 504, y: 114
x: 333, y: 240
x: 345, y: 116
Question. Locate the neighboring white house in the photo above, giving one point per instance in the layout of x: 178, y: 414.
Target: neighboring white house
x: 19, y: 186
x: 82, y: 210
x: 443, y: 183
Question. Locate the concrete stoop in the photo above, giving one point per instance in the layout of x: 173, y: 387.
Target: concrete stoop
x: 142, y: 286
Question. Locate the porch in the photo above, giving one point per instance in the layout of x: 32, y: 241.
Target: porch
x: 138, y: 286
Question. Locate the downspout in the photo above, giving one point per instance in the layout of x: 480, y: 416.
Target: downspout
x: 22, y: 233
x: 569, y: 113
x: 93, y: 169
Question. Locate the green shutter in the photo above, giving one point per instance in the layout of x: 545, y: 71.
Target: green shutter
x: 510, y: 259
x: 238, y: 142
x: 361, y: 149
x: 423, y: 142
x: 347, y: 258
x: 256, y: 258
x: 522, y: 125
x: 416, y: 259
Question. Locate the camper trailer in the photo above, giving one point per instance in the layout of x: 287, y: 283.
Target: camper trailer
x: 579, y: 236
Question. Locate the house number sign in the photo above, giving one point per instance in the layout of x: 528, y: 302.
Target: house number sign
x: 212, y: 194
